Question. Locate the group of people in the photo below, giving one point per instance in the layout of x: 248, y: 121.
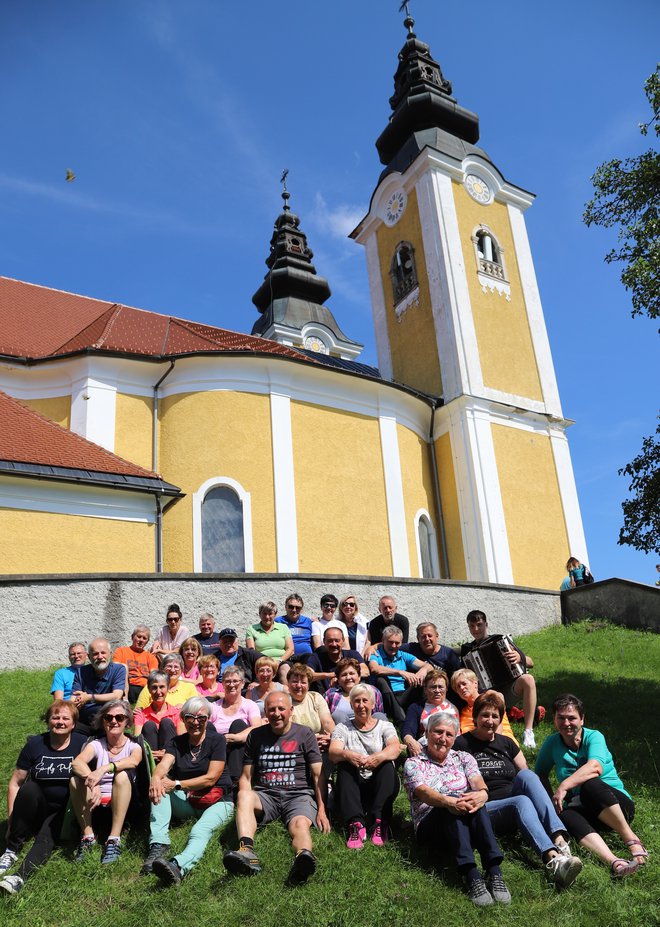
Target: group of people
x: 310, y: 720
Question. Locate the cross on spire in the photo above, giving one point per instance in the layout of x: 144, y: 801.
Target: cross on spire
x: 408, y: 22
x: 285, y: 193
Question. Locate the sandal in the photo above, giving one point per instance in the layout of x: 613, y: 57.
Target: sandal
x: 623, y: 867
x: 642, y: 853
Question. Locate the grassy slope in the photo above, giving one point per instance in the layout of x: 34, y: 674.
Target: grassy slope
x: 615, y: 671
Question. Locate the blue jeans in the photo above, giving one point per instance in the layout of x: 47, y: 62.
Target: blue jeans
x: 529, y: 810
x: 208, y: 821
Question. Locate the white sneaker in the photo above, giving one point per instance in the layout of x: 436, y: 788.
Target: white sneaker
x: 528, y: 739
x: 7, y: 860
x: 564, y: 849
x: 12, y: 884
x: 563, y: 870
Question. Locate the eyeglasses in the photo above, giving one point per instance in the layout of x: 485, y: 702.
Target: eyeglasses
x: 294, y: 608
x: 195, y: 719
x: 118, y: 719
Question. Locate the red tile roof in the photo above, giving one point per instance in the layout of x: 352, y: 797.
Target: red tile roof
x: 39, y: 323
x: 30, y: 438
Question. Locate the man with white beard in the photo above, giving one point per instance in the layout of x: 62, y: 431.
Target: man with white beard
x: 97, y: 682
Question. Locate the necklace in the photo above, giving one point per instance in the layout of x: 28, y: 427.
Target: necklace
x: 117, y: 748
x: 194, y: 754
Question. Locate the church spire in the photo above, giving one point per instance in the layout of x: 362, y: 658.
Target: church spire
x: 424, y: 110
x: 291, y: 297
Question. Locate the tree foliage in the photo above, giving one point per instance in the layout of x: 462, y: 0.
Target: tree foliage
x: 627, y: 195
x: 641, y: 513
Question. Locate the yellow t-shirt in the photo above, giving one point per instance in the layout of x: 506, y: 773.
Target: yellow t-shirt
x: 310, y: 712
x: 181, y: 692
x: 467, y: 724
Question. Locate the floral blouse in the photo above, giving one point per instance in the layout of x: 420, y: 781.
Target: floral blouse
x: 449, y: 778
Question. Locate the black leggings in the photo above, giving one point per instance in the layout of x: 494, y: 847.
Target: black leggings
x: 33, y: 817
x: 358, y: 797
x: 159, y: 736
x: 581, y: 818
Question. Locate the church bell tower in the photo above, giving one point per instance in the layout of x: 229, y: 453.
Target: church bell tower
x: 457, y: 314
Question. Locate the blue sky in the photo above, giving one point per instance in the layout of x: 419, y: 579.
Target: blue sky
x: 177, y: 119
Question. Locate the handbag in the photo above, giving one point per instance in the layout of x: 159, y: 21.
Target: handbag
x: 204, y: 798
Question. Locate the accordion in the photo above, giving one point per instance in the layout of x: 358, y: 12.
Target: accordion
x: 489, y: 664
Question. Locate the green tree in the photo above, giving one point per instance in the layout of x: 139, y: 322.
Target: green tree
x: 627, y: 195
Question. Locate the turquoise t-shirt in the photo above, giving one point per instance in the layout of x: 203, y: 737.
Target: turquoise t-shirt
x: 269, y: 643
x: 402, y: 661
x: 566, y: 761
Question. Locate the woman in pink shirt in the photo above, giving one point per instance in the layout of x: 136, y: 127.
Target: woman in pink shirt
x: 234, y: 716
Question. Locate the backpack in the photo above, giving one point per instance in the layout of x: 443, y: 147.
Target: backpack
x: 587, y: 576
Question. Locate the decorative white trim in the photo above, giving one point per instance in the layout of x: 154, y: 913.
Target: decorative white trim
x: 412, y: 299
x: 493, y: 285
x: 568, y: 491
x: 93, y: 411
x: 532, y: 299
x: 286, y: 522
x: 67, y: 499
x: 396, y: 513
x: 197, y: 500
x: 433, y: 544
x: 378, y: 309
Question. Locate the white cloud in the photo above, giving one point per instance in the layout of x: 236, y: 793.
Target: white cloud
x: 338, y: 222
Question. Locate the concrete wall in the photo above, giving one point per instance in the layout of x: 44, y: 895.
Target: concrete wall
x: 622, y: 601
x: 41, y: 615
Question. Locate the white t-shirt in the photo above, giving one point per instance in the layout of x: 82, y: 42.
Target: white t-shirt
x: 321, y: 624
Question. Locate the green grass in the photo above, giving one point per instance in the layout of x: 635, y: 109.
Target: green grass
x: 615, y: 671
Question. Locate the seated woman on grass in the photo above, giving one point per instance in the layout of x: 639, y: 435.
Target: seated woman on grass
x: 158, y: 721
x: 590, y: 796
x: 465, y: 684
x: 115, y: 757
x: 38, y: 793
x: 178, y: 691
x: 413, y: 729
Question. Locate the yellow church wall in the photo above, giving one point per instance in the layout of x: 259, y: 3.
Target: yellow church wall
x: 219, y: 433
x: 450, y: 510
x: 506, y: 351
x: 533, y: 511
x: 133, y: 429
x: 47, y: 542
x: 56, y: 408
x: 340, y: 492
x: 411, y: 336
x: 417, y: 478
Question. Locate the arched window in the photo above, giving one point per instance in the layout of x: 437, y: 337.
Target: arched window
x: 427, y: 552
x: 489, y: 254
x: 403, y: 271
x: 222, y: 528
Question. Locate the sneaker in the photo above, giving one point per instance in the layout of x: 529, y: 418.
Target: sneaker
x: 168, y: 871
x: 528, y: 739
x: 156, y: 851
x: 498, y: 889
x: 563, y: 870
x: 84, y: 847
x: 7, y: 860
x: 111, y: 851
x: 243, y: 861
x: 378, y: 834
x: 304, y: 866
x: 479, y: 894
x: 564, y: 849
x: 356, y: 834
x: 515, y: 713
x: 12, y: 884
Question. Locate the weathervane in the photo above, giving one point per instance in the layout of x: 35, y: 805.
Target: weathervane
x: 285, y: 192
x: 408, y: 22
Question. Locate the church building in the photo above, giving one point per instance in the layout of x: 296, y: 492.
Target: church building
x: 132, y: 441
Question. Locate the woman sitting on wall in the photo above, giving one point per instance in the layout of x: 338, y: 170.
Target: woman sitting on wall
x: 191, y: 651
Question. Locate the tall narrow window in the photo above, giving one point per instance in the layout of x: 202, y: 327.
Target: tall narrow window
x: 423, y: 530
x: 403, y: 271
x: 489, y: 254
x: 223, y: 547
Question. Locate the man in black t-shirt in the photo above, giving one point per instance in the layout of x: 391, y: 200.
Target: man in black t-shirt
x: 208, y: 637
x: 323, y: 662
x: 280, y: 779
x: 387, y: 615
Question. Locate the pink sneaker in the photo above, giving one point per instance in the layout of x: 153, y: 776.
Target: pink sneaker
x: 379, y: 833
x: 356, y: 835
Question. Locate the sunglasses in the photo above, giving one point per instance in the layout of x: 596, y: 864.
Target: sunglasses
x: 348, y: 605
x: 294, y: 608
x: 199, y: 719
x: 119, y: 719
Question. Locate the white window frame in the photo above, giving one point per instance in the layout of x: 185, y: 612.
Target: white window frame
x: 433, y: 544
x: 198, y: 499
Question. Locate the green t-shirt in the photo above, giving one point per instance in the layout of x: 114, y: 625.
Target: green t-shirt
x: 554, y: 752
x: 269, y: 643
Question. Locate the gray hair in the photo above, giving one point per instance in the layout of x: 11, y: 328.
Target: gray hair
x: 95, y: 640
x: 362, y: 689
x: 233, y: 671
x: 275, y: 692
x: 387, y: 596
x: 76, y: 644
x: 157, y: 676
x: 392, y: 631
x: 194, y: 705
x: 266, y: 608
x: 97, y: 721
x: 141, y: 627
x: 442, y: 717
x: 207, y: 615
x: 172, y: 658
x: 426, y: 624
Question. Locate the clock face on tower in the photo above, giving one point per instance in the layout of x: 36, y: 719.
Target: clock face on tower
x: 394, y: 207
x: 477, y: 188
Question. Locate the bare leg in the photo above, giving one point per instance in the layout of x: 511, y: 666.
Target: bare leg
x: 525, y: 687
x: 246, y: 807
x: 300, y: 831
x: 80, y: 800
x: 596, y: 845
x: 616, y: 821
x: 121, y: 798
